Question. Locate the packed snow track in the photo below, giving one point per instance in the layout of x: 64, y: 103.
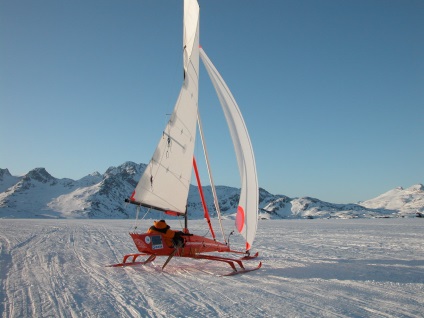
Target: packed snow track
x: 311, y: 268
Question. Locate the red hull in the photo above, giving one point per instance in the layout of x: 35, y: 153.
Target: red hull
x: 154, y: 244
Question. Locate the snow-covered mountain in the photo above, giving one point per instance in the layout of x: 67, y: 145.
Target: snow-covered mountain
x: 38, y: 195
x: 7, y: 180
x: 408, y: 200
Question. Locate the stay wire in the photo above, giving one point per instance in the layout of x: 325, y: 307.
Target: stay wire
x: 136, y: 217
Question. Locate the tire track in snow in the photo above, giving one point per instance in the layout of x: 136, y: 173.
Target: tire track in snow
x: 306, y: 257
x: 147, y: 302
x: 141, y: 301
x: 25, y: 262
x: 204, y: 291
x: 121, y: 303
x: 288, y: 298
x: 47, y: 288
x: 5, y: 265
x: 203, y: 298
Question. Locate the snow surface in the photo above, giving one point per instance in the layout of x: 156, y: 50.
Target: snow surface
x: 311, y: 268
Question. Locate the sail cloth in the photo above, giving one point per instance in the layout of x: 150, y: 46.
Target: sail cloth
x: 191, y: 34
x: 165, y: 183
x: 247, y: 211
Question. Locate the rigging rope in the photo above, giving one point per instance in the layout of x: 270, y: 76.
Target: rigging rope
x: 136, y: 217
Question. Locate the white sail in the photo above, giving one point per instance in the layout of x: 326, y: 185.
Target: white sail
x: 191, y: 34
x: 165, y: 183
x: 247, y: 212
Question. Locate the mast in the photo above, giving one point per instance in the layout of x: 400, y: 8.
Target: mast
x: 215, y: 197
x: 202, y: 198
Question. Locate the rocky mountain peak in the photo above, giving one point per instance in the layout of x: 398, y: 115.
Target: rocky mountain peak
x: 4, y: 173
x: 40, y: 175
x: 416, y: 188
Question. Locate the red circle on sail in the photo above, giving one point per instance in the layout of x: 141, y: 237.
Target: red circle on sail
x: 240, y: 219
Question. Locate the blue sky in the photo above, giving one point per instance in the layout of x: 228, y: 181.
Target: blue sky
x: 332, y: 91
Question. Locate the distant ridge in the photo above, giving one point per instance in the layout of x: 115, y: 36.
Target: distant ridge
x: 399, y: 199
x: 40, y: 195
